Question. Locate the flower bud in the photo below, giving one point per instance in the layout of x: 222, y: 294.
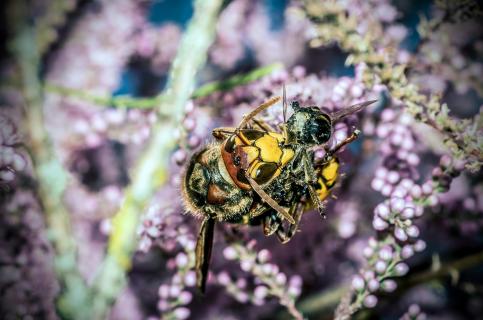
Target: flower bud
x: 407, y: 251
x: 358, y: 283
x: 263, y: 255
x: 412, y: 231
x: 400, y: 234
x: 380, y: 266
x: 397, y: 204
x: 185, y: 297
x: 382, y: 210
x: 370, y: 301
x: 181, y: 313
x: 373, y: 285
x: 401, y: 269
x: 419, y: 246
x: 389, y: 285
x: 408, y: 213
x: 379, y: 224
x: 230, y: 253
x: 260, y: 292
x: 385, y: 253
x: 223, y: 278
x: 246, y: 265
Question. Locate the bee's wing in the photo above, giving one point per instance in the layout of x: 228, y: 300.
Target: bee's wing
x: 336, y: 116
x: 204, y: 246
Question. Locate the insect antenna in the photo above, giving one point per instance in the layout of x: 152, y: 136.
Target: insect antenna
x: 284, y: 104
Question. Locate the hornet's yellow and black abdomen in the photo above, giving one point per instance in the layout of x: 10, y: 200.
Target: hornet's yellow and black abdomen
x: 259, y: 154
x: 327, y: 177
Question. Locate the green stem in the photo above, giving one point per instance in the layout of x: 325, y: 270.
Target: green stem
x: 326, y: 300
x: 73, y: 300
x: 151, y: 170
x: 236, y: 80
x: 149, y: 103
x: 457, y: 265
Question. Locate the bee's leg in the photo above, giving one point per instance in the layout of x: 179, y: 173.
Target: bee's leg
x: 296, y: 210
x: 346, y: 141
x: 258, y: 210
x: 223, y: 133
x: 270, y: 224
x: 284, y: 236
x: 256, y: 111
x: 204, y: 245
x: 265, y: 197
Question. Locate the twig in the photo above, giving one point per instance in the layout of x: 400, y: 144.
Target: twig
x: 236, y: 80
x: 151, y: 170
x: 448, y: 268
x: 149, y: 103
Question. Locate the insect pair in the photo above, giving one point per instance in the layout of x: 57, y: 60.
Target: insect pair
x: 255, y: 174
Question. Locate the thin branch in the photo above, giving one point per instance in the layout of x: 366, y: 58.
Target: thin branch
x: 446, y: 269
x: 149, y: 103
x: 151, y: 171
x: 236, y: 80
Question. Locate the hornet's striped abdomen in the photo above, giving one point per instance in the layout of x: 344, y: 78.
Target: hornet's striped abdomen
x: 327, y: 177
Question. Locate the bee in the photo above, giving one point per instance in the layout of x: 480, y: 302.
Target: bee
x: 256, y: 175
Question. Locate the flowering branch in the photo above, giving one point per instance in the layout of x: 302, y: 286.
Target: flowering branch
x: 151, y: 170
x: 334, y: 24
x: 268, y: 274
x: 52, y: 179
x: 327, y: 299
x: 149, y: 103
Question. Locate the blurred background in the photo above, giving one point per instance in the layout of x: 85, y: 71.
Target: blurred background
x: 403, y: 235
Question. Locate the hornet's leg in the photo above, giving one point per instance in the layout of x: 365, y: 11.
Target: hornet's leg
x: 258, y: 210
x: 270, y: 224
x: 204, y: 245
x: 346, y: 141
x: 265, y: 197
x: 285, y: 236
x: 310, y: 179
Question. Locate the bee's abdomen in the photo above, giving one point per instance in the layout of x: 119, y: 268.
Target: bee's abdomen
x: 327, y: 177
